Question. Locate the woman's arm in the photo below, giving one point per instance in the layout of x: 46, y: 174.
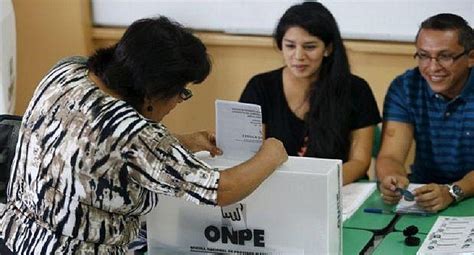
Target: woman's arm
x: 238, y: 182
x: 160, y: 163
x: 360, y: 154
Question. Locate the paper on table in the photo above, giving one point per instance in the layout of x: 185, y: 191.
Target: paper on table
x: 354, y: 195
x: 410, y: 207
x: 238, y: 129
x: 449, y: 235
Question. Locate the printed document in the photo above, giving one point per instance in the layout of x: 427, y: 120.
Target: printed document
x: 449, y: 235
x: 238, y: 129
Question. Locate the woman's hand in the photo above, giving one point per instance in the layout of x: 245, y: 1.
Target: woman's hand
x: 239, y: 181
x: 200, y: 141
x: 273, y: 150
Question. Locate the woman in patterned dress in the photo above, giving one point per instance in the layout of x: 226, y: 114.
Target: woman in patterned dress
x: 92, y: 155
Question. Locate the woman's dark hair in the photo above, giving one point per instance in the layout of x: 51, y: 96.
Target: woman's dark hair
x: 449, y: 21
x: 328, y: 122
x: 155, y: 58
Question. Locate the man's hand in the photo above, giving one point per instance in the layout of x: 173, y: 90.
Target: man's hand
x: 433, y: 197
x: 389, y: 185
x: 200, y: 141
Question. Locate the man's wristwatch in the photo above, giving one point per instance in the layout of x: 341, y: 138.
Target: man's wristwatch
x: 456, y: 192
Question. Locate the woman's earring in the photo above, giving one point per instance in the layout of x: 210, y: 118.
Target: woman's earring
x: 149, y: 108
x: 326, y: 54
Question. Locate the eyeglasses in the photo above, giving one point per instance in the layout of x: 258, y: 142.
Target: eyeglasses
x: 185, y: 94
x: 443, y: 60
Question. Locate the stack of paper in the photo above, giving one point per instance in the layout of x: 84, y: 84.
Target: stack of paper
x: 354, y: 195
x: 410, y: 207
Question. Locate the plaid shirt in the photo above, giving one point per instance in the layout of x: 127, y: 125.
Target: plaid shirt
x: 444, y: 129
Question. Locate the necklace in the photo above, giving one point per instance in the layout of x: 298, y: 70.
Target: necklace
x: 301, y: 110
x: 301, y: 104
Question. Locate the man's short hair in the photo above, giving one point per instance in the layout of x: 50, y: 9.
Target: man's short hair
x: 449, y: 21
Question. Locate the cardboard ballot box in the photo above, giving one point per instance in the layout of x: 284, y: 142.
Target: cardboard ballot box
x: 297, y: 210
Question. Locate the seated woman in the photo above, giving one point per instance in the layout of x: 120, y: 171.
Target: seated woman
x: 313, y: 104
x: 93, y: 157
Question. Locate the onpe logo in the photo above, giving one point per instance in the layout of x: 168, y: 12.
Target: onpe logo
x: 226, y: 235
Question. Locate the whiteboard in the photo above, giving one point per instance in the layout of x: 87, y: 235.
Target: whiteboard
x: 386, y: 20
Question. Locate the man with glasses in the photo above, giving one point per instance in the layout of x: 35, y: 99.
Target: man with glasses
x: 433, y: 104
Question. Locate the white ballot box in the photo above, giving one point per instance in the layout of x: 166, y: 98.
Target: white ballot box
x: 297, y: 210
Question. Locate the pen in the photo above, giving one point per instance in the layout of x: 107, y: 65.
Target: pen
x: 376, y: 210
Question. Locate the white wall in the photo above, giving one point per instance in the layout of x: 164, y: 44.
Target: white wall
x: 391, y: 20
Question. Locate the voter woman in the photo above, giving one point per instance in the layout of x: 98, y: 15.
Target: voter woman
x: 93, y: 157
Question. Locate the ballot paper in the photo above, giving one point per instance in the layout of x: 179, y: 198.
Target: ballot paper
x: 411, y: 207
x: 449, y: 235
x: 238, y: 129
x: 354, y: 195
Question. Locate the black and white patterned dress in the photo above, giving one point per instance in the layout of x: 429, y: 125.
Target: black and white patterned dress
x: 87, y: 166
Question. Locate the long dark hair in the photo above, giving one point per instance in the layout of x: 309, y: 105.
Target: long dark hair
x: 328, y: 120
x: 155, y: 58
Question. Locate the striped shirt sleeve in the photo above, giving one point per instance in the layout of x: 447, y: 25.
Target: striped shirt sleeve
x: 396, y: 104
x: 158, y: 162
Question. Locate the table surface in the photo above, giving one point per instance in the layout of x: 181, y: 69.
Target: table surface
x: 355, y: 241
x: 378, y: 223
x: 394, y: 244
x: 424, y: 223
x: 359, y: 230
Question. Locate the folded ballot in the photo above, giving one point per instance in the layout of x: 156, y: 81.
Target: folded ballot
x: 238, y: 129
x: 297, y: 210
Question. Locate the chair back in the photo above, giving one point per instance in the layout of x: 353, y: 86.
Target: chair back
x: 9, y: 130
